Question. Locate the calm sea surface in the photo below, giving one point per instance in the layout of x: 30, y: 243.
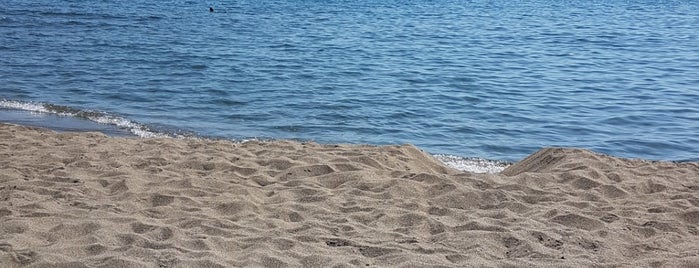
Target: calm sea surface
x: 492, y: 79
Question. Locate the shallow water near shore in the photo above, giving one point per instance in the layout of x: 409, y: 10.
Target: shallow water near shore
x: 60, y: 123
x: 486, y: 79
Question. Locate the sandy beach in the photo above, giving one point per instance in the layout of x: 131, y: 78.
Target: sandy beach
x: 89, y: 200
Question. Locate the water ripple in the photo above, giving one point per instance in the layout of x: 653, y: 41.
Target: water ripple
x: 489, y: 79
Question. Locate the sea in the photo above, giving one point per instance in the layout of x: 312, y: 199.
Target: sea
x: 477, y: 83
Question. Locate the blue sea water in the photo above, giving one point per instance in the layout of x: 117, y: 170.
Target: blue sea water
x: 492, y: 79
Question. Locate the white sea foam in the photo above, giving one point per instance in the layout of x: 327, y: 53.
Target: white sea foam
x: 26, y: 106
x: 475, y: 165
x: 135, y: 128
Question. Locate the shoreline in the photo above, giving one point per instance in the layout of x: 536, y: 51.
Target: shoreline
x: 59, y: 123
x: 84, y: 199
x: 67, y: 118
x: 71, y: 123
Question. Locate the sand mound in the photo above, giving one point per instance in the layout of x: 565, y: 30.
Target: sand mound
x: 87, y: 200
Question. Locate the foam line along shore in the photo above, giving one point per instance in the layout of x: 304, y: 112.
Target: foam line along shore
x: 66, y: 118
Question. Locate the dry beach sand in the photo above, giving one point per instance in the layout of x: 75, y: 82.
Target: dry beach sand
x: 88, y: 200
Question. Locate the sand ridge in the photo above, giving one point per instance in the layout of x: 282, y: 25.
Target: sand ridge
x: 88, y: 200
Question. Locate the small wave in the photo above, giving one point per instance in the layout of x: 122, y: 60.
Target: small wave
x: 472, y: 164
x: 135, y: 128
x: 26, y: 106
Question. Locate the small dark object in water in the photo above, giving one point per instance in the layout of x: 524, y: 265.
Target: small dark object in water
x: 211, y: 9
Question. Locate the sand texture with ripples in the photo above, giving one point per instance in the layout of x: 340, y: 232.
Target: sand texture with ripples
x: 88, y: 200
